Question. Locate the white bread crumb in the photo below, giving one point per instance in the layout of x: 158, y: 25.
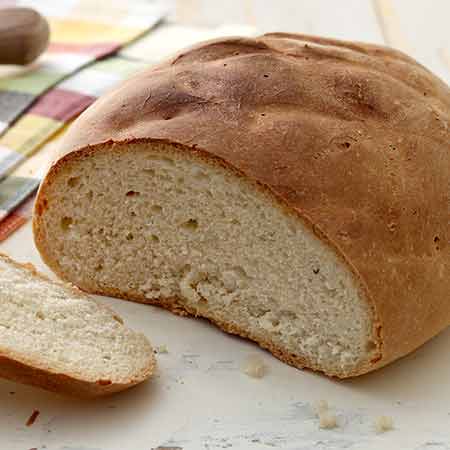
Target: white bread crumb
x: 383, y: 424
x: 254, y: 366
x: 327, y: 420
x: 162, y: 349
x: 320, y: 407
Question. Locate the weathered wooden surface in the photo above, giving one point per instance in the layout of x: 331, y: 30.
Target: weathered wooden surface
x: 200, y: 399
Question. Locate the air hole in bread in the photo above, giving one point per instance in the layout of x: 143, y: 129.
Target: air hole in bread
x: 66, y: 223
x: 275, y: 322
x: 345, y: 145
x: 156, y: 208
x: 436, y: 240
x: 190, y: 225
x: 132, y: 194
x: 73, y: 181
x: 154, y: 238
x: 129, y: 236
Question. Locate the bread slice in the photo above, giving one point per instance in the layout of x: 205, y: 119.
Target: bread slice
x: 277, y: 186
x: 55, y: 337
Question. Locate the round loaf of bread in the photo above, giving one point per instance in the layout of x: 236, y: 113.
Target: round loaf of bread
x: 292, y: 189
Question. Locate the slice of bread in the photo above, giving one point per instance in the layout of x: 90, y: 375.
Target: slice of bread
x: 291, y: 189
x: 55, y: 337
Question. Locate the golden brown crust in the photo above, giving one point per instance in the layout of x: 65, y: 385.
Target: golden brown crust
x: 16, y: 368
x: 352, y: 137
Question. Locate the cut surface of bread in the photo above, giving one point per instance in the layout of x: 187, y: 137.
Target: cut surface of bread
x: 54, y: 336
x: 146, y: 222
x: 292, y: 189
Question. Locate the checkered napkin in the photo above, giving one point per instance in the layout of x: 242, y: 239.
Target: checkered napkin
x: 36, y: 104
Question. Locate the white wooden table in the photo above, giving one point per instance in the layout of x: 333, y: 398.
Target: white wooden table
x: 199, y: 398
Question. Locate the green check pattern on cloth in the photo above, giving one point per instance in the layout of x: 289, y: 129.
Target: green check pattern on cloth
x: 40, y: 100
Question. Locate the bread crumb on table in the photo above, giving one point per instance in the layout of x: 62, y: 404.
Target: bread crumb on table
x: 32, y: 418
x: 161, y: 349
x: 327, y: 420
x: 254, y: 366
x: 383, y: 424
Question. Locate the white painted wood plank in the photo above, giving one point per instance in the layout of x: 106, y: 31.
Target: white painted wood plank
x: 352, y: 19
x: 420, y: 28
x: 211, y: 12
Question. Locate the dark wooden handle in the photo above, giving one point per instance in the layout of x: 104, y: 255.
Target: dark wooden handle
x: 24, y: 35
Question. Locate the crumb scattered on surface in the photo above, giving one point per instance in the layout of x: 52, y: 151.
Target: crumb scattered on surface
x: 32, y: 418
x: 320, y: 407
x: 327, y: 420
x: 162, y: 349
x: 383, y: 424
x: 254, y: 366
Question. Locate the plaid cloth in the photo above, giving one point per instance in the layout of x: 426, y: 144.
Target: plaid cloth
x: 36, y: 134
x: 81, y: 32
x: 37, y: 102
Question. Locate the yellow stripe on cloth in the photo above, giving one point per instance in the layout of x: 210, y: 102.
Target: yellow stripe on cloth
x: 28, y: 133
x: 67, y: 31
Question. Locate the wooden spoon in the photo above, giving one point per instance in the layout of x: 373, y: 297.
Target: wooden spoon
x: 24, y: 35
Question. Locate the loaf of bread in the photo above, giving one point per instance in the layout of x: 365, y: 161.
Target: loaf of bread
x: 55, y: 337
x: 291, y: 189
